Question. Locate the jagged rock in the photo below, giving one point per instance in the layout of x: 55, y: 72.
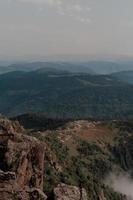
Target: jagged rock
x: 9, y: 127
x: 7, y: 176
x: 66, y: 192
x: 101, y: 196
x: 52, y: 158
x: 21, y: 163
x: 36, y: 194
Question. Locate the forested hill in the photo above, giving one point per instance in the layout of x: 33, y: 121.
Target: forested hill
x: 61, y: 94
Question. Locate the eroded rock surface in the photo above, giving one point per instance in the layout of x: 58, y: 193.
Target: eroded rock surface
x: 66, y: 192
x: 21, y: 163
x: 22, y: 167
x: 101, y: 196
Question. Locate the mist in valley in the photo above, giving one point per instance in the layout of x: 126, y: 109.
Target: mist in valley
x: 122, y: 183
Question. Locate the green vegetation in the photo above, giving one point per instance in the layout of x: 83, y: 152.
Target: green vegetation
x: 92, y: 162
x: 57, y: 147
x: 65, y: 95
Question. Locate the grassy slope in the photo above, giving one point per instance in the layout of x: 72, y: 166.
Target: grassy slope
x: 84, y: 152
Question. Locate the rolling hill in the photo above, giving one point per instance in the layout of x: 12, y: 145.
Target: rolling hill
x: 66, y: 66
x: 61, y: 94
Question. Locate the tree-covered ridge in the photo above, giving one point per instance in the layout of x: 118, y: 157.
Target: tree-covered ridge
x: 60, y: 94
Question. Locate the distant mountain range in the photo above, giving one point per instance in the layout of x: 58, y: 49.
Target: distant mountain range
x: 91, y: 67
x: 72, y: 67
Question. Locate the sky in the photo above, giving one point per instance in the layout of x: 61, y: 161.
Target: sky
x: 57, y: 28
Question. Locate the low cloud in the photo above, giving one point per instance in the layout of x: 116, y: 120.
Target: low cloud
x: 121, y: 183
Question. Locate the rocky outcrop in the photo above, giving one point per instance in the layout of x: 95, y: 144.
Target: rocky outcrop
x: 21, y: 163
x: 101, y: 196
x: 22, y: 167
x: 66, y: 192
x: 19, y: 194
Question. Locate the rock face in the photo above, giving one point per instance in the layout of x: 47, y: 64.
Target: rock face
x: 22, y: 167
x: 66, y: 192
x: 101, y: 196
x: 21, y: 163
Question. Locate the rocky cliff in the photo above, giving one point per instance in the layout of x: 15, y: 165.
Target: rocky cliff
x: 21, y: 163
x: 66, y: 192
x: 66, y: 162
x: 22, y: 166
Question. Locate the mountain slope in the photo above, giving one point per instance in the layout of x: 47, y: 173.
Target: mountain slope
x: 71, y: 161
x: 83, y: 153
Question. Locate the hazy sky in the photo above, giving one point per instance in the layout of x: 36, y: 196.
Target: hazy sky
x: 44, y: 28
